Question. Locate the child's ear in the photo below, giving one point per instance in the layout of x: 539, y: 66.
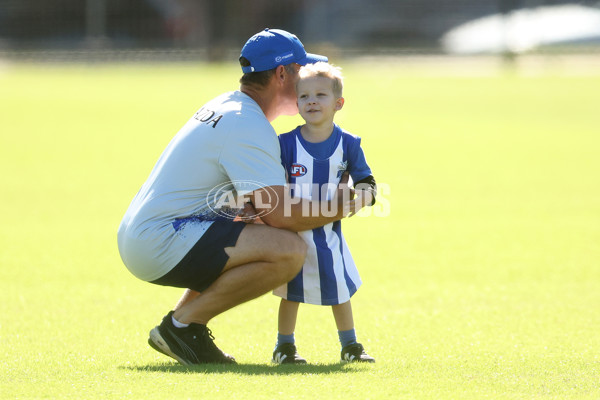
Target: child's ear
x: 339, y: 103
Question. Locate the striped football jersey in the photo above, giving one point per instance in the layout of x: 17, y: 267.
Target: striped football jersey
x: 329, y: 275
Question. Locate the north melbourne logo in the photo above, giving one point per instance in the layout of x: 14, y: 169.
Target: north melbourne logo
x: 342, y: 168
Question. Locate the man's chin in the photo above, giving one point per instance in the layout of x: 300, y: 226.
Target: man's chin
x: 291, y: 112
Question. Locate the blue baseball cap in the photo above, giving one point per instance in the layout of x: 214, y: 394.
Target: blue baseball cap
x: 273, y: 47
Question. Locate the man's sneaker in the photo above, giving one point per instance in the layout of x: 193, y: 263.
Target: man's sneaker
x: 356, y: 353
x: 286, y: 353
x: 191, y: 345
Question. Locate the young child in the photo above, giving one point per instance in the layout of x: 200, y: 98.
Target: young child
x: 315, y: 156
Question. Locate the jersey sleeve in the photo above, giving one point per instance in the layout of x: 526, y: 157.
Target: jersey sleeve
x: 357, y: 162
x: 252, y: 159
x: 283, y: 158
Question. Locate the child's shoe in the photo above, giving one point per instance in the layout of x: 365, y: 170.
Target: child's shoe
x: 286, y: 353
x: 356, y: 353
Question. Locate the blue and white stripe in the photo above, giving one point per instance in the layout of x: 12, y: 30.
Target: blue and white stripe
x: 329, y: 275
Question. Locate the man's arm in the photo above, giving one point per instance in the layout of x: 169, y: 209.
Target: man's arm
x: 276, y: 207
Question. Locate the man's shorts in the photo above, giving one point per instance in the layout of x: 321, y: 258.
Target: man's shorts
x: 203, y: 264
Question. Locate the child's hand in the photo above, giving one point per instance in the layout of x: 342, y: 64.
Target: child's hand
x: 363, y: 198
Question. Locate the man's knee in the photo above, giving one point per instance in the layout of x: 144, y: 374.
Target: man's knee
x: 293, y: 253
x: 259, y: 243
x: 286, y: 253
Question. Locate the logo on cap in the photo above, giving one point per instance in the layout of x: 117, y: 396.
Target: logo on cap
x: 281, y: 58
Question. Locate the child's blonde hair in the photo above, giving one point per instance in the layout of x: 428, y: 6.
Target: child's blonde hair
x: 325, y: 70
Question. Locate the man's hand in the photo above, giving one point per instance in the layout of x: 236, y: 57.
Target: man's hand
x: 249, y: 215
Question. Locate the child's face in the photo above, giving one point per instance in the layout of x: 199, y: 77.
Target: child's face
x: 316, y: 102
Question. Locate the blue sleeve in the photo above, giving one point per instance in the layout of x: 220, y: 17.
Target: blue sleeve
x: 286, y: 143
x: 357, y: 162
x: 282, y: 146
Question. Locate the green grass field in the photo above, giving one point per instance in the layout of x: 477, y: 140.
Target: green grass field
x: 483, y: 281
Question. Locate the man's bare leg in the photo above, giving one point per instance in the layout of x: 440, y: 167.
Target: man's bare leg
x: 187, y: 296
x: 262, y: 259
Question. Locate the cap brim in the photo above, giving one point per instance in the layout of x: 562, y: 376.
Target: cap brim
x: 312, y: 58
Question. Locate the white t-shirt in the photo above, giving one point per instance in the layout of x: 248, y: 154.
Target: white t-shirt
x: 228, y: 146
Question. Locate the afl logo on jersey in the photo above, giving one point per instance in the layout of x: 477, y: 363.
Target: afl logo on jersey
x: 297, y: 170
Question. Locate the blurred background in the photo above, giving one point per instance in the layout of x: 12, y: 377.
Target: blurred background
x: 214, y: 30
x: 479, y: 116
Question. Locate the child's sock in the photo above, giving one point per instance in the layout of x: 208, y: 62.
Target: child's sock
x: 281, y: 339
x: 178, y: 324
x: 347, y: 337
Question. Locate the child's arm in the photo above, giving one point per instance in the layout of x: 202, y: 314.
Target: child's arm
x: 366, y: 191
